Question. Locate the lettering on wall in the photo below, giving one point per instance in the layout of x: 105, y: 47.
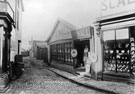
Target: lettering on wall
x: 62, y: 32
x: 82, y: 33
x: 109, y: 7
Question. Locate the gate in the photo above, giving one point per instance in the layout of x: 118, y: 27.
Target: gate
x: 42, y: 54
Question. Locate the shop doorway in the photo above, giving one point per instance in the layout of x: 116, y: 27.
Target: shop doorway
x: 80, y: 45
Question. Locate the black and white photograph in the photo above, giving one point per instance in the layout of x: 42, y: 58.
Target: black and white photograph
x: 67, y: 46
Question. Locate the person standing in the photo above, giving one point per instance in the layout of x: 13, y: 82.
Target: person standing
x: 85, y: 55
x: 87, y: 61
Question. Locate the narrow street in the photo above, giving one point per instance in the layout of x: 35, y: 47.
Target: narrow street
x: 37, y: 79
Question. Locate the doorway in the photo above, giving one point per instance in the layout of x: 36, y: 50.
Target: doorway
x: 79, y: 45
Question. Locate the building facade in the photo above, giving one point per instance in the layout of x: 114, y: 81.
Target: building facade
x: 65, y: 38
x: 115, y: 40
x: 60, y: 44
x: 81, y: 38
x: 10, y: 36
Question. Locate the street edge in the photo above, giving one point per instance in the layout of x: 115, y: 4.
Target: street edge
x: 84, y: 85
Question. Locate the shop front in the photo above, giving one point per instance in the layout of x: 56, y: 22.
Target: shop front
x: 82, y: 38
x: 60, y: 44
x: 116, y: 31
x: 6, y: 26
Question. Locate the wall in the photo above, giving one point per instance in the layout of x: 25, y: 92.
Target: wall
x: 98, y: 50
x: 18, y: 30
x: 12, y: 3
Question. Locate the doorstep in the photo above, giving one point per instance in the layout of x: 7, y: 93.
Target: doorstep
x: 103, y: 86
x: 83, y: 74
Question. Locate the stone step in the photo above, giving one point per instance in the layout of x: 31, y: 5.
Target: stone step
x: 83, y: 73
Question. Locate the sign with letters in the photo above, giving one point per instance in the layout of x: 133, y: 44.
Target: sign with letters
x: 110, y: 7
x: 82, y: 33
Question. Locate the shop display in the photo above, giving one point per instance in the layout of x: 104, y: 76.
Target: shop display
x: 117, y: 51
x: 62, y: 52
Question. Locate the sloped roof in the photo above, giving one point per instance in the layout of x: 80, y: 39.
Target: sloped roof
x: 55, y: 25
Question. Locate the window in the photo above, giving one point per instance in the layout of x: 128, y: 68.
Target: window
x: 0, y: 45
x: 17, y: 20
x: 116, y: 50
x: 2, y: 49
x: 61, y: 52
x: 122, y: 34
x: 109, y: 35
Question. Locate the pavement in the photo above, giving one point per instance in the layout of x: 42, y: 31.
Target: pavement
x: 37, y: 79
x: 109, y: 87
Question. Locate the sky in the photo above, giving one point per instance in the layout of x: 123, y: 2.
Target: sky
x: 39, y: 16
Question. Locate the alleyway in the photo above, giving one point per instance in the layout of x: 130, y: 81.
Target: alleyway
x: 37, y: 79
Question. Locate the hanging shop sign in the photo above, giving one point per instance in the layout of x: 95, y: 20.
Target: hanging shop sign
x: 73, y: 52
x: 83, y: 33
x: 110, y: 7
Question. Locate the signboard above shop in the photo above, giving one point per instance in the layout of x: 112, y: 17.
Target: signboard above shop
x: 82, y: 33
x: 112, y: 7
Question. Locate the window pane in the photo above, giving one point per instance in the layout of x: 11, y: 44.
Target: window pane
x: 109, y: 35
x: 122, y: 34
x: 0, y: 45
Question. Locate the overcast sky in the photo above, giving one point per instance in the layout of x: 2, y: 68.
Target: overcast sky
x: 40, y: 15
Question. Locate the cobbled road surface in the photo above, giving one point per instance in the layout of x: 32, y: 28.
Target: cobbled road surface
x: 37, y: 79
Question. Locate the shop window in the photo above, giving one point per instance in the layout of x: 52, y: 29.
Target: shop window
x: 122, y: 50
x: 132, y: 51
x: 53, y: 52
x: 109, y: 46
x: 54, y: 48
x: 61, y: 52
x: 56, y: 52
x: 116, y: 50
x: 17, y: 20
